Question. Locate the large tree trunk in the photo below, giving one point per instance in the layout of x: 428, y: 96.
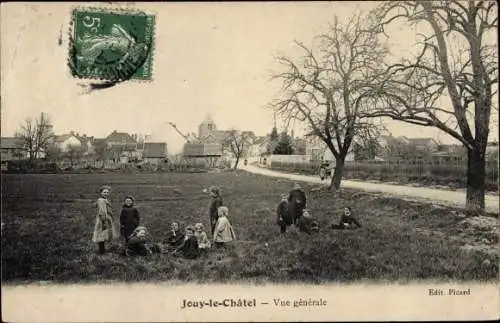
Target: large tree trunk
x: 236, y: 162
x: 476, y: 175
x: 338, y: 173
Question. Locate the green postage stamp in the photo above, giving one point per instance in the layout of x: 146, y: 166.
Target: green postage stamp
x: 111, y: 45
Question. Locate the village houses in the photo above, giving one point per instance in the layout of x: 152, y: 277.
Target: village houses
x: 12, y: 148
x: 208, y: 133
x: 154, y: 153
x: 66, y: 142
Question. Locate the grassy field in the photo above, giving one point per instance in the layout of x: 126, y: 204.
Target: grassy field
x: 48, y: 219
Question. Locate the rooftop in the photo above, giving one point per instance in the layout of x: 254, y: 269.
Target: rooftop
x: 421, y: 141
x: 11, y: 143
x: 121, y: 137
x: 62, y: 138
x: 155, y: 150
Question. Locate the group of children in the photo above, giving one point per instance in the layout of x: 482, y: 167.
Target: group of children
x: 292, y: 210
x: 194, y: 241
x: 189, y: 243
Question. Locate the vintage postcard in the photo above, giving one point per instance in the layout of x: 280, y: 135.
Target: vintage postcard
x: 249, y: 161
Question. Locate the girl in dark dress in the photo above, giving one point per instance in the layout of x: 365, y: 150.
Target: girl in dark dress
x: 189, y: 248
x: 297, y: 202
x: 215, y: 203
x: 283, y: 213
x: 129, y: 218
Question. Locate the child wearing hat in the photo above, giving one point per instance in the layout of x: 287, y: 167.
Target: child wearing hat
x: 129, y: 218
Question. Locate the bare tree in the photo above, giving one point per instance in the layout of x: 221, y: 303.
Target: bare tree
x: 36, y: 135
x: 74, y: 153
x: 325, y: 89
x: 101, y: 150
x: 53, y: 153
x: 451, y: 82
x: 238, y: 143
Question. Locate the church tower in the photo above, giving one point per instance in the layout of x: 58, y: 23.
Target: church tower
x: 206, y: 127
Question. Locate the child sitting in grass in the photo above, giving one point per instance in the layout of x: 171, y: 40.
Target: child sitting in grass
x: 347, y: 221
x: 136, y: 243
x: 223, y: 231
x: 201, y: 237
x: 174, y: 238
x: 189, y: 248
x: 283, y: 213
x: 307, y: 223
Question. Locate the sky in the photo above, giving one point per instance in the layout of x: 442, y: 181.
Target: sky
x: 208, y: 58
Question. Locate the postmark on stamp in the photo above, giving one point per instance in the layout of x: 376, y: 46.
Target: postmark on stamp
x: 111, y: 46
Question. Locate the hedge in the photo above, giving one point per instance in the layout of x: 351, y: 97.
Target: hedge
x: 449, y: 174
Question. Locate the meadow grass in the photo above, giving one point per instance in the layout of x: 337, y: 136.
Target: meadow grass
x: 48, y: 222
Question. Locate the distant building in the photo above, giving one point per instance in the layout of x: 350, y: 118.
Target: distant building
x: 207, y: 127
x: 318, y: 150
x: 217, y: 136
x: 392, y: 146
x: 424, y: 144
x: 66, y: 142
x: 208, y: 134
x: 404, y: 147
x: 87, y: 144
x: 259, y: 146
x: 12, y: 148
x: 121, y: 140
x: 315, y: 147
x: 122, y: 146
x: 155, y: 152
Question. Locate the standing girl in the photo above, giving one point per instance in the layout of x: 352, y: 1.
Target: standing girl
x: 129, y: 218
x: 105, y: 228
x: 297, y: 201
x: 215, y: 203
x: 223, y: 232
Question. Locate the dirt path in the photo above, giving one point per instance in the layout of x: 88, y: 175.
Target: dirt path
x: 452, y: 198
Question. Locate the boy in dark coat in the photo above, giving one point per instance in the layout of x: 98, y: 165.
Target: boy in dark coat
x: 214, y: 207
x: 174, y: 238
x: 297, y: 202
x: 189, y: 248
x: 307, y: 223
x: 283, y: 213
x: 129, y: 218
x: 347, y: 221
